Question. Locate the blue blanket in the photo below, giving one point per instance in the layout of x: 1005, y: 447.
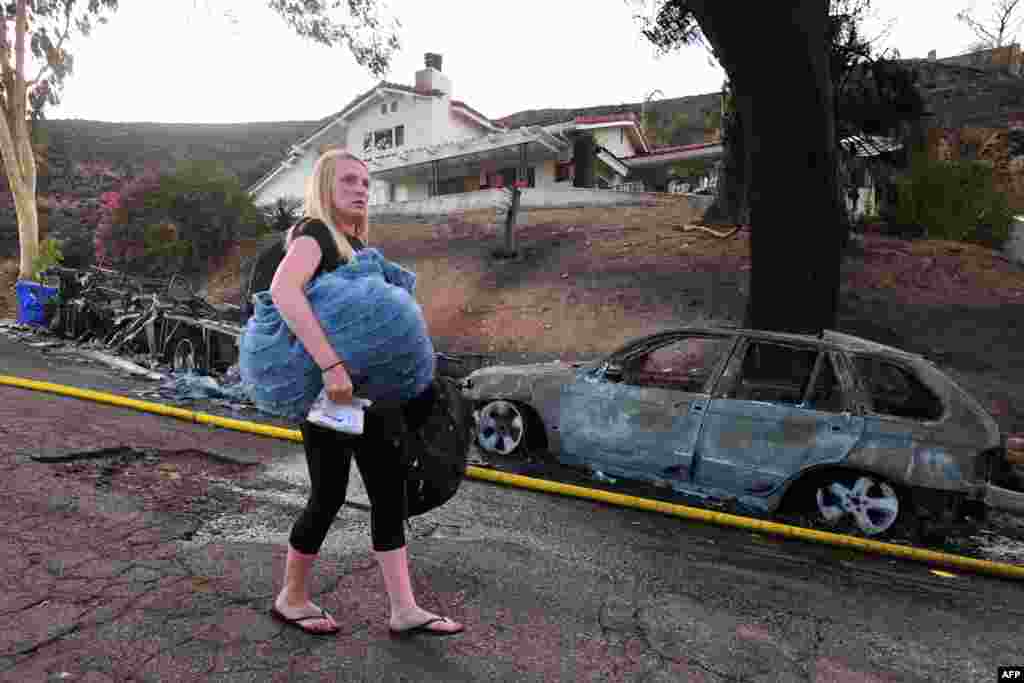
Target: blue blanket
x: 368, y: 311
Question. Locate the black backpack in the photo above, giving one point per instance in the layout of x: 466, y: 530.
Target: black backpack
x: 266, y: 264
x: 436, y: 453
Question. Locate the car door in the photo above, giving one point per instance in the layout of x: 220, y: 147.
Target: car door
x: 780, y: 407
x: 639, y: 415
x: 900, y: 425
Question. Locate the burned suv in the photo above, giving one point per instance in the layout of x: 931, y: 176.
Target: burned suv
x: 851, y: 431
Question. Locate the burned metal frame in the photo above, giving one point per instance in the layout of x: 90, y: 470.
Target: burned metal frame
x: 124, y: 312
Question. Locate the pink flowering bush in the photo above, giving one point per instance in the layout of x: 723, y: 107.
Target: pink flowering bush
x: 182, y: 221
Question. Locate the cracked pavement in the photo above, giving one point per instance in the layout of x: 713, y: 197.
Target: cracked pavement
x: 157, y: 559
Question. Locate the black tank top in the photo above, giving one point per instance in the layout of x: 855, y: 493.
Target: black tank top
x: 270, y: 258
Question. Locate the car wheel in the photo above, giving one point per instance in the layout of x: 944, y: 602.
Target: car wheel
x: 870, y: 503
x: 501, y: 427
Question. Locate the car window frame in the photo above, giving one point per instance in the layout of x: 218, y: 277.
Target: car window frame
x: 825, y: 355
x: 726, y: 384
x: 619, y: 359
x: 867, y: 397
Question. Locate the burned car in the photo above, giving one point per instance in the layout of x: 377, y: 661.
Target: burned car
x: 856, y: 434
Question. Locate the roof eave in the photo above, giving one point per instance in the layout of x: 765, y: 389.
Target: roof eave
x: 479, y: 120
x: 655, y: 159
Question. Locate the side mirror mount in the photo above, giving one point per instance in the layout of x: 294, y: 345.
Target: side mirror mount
x: 613, y: 373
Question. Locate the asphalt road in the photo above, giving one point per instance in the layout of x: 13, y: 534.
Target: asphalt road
x: 550, y: 588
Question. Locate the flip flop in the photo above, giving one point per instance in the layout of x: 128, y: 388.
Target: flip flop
x: 424, y: 629
x: 297, y: 622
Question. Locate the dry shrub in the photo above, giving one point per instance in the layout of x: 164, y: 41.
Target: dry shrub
x: 225, y: 284
x: 8, y: 278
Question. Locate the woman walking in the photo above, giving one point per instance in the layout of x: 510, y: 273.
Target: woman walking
x: 332, y: 313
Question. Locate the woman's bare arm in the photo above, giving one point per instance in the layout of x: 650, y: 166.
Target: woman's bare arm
x: 288, y: 293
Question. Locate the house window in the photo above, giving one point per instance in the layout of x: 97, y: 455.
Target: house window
x: 509, y: 175
x: 450, y: 186
x: 384, y: 139
x: 384, y: 108
x: 394, y: 106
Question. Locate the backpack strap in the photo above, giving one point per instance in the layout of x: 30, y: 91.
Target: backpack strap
x: 248, y: 305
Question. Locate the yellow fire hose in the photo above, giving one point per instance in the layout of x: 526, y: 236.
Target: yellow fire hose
x: 931, y: 557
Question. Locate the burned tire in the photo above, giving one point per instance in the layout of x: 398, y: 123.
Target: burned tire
x: 186, y: 352
x: 856, y: 502
x: 506, y: 428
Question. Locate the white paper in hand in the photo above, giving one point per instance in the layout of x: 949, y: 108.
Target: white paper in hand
x: 342, y: 417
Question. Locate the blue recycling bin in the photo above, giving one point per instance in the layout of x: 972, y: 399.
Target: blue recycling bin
x: 32, y: 296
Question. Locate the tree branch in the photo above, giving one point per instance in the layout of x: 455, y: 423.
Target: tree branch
x: 56, y: 48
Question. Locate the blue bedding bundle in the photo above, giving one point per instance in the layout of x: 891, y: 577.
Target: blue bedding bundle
x: 368, y: 311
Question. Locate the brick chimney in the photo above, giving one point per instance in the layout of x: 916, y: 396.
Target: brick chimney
x: 430, y: 77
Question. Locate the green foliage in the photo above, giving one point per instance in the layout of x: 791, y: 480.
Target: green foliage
x: 370, y: 42
x: 185, y: 221
x: 665, y: 131
x: 164, y: 249
x: 692, y: 168
x: 209, y: 210
x: 955, y: 200
x: 49, y: 255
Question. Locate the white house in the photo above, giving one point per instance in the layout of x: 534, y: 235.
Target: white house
x: 420, y: 142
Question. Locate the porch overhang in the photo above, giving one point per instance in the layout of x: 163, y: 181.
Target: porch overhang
x: 613, y: 162
x: 410, y: 162
x: 657, y: 158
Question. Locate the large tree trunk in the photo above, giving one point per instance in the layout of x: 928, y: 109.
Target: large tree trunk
x: 20, y: 167
x: 777, y: 57
x: 732, y: 200
x: 15, y: 141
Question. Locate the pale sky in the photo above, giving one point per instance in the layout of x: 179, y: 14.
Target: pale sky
x: 182, y: 61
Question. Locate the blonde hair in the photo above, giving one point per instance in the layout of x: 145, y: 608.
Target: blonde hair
x: 319, y: 202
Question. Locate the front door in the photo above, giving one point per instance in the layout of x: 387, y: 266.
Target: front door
x: 781, y: 408
x: 639, y: 416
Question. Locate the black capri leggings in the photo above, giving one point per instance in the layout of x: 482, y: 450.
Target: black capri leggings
x: 379, y: 455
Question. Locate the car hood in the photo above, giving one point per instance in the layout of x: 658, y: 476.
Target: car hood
x: 516, y: 379
x: 530, y: 370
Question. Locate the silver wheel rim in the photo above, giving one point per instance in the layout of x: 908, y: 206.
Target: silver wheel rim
x: 873, y: 505
x: 184, y: 356
x: 500, y: 427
